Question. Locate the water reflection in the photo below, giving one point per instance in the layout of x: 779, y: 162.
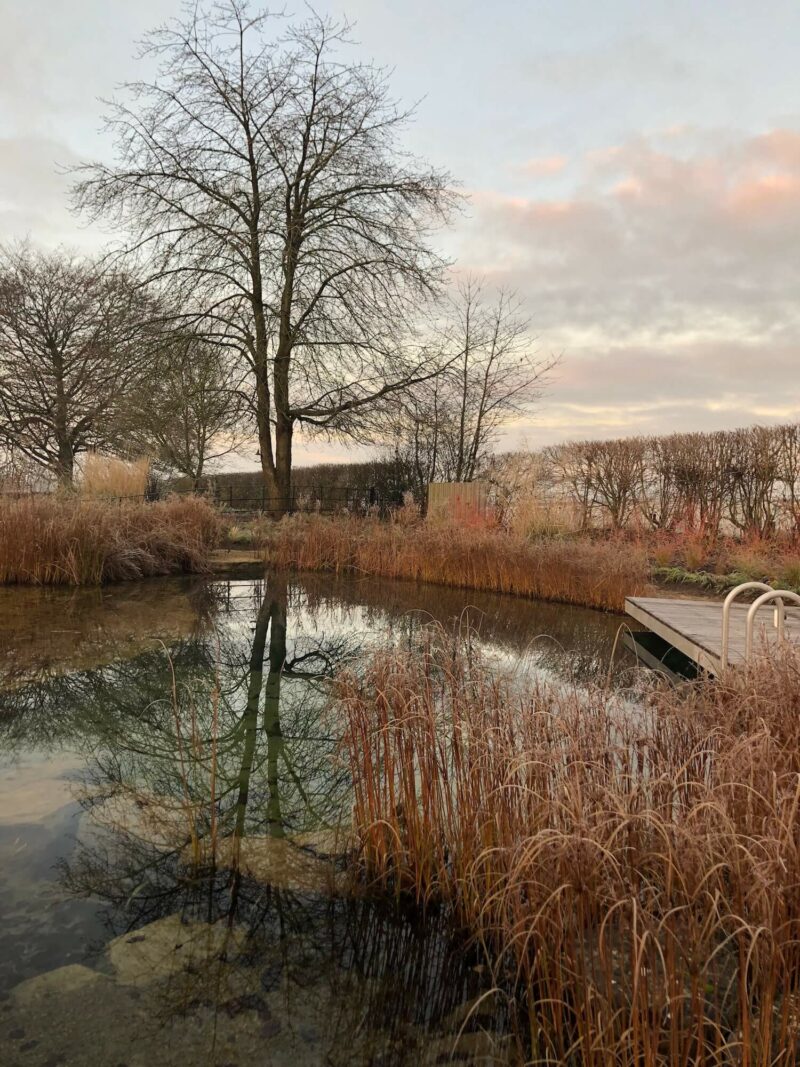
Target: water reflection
x: 194, y: 869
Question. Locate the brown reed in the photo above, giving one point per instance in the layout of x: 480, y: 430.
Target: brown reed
x: 594, y: 574
x: 631, y: 868
x: 71, y: 540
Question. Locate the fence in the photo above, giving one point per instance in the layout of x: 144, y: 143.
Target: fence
x: 456, y: 501
x: 326, y: 500
x: 323, y: 499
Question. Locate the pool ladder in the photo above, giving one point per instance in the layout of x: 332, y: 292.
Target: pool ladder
x: 779, y: 596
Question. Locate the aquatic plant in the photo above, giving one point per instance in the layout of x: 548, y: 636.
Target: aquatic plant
x: 631, y: 870
x: 71, y: 540
x: 596, y: 574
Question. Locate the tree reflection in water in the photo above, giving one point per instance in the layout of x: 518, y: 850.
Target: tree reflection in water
x: 212, y: 791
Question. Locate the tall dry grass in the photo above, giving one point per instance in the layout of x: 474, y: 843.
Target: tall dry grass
x: 108, y: 476
x: 529, y: 516
x: 71, y: 540
x: 595, y: 574
x: 632, y: 871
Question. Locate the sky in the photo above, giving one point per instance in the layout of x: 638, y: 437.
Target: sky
x: 632, y: 171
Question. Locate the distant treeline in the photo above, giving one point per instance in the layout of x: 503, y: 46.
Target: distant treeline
x: 744, y: 481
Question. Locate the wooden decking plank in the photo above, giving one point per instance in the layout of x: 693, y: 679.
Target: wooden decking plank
x: 695, y: 626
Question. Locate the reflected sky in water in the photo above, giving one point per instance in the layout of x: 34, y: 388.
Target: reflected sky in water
x: 169, y: 760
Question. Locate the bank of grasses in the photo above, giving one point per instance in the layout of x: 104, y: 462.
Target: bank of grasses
x: 54, y: 539
x: 596, y: 574
x: 632, y: 870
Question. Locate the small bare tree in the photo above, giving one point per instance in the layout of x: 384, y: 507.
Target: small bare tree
x: 447, y: 427
x: 188, y: 409
x: 494, y: 375
x: 264, y: 174
x: 70, y: 344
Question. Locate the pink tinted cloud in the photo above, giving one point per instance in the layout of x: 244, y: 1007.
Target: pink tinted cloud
x: 544, y: 166
x: 667, y: 274
x: 779, y: 147
x: 769, y: 194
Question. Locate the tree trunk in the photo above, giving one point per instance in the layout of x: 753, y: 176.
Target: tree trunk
x: 65, y: 471
x: 271, y: 492
x: 283, y: 464
x: 66, y: 456
x: 261, y: 361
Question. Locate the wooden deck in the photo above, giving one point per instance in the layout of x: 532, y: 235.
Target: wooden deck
x: 695, y: 627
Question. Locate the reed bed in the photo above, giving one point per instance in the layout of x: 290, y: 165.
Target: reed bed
x: 72, y: 540
x: 632, y: 870
x: 593, y: 574
x: 108, y: 476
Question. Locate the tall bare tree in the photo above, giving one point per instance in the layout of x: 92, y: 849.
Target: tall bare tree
x: 187, y: 410
x: 262, y: 169
x: 70, y: 345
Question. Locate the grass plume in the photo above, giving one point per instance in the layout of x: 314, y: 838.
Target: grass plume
x: 108, y: 476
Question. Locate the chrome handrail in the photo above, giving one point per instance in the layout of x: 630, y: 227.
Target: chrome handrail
x: 726, y: 610
x: 780, y: 595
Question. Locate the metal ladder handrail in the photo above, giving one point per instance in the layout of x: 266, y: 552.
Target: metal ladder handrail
x: 726, y: 611
x: 779, y: 595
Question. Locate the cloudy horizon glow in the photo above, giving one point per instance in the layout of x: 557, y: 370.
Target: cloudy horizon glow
x: 632, y: 171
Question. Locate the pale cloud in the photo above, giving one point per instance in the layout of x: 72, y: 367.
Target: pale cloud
x: 34, y: 193
x: 668, y: 279
x: 544, y: 166
x: 653, y: 244
x: 635, y: 56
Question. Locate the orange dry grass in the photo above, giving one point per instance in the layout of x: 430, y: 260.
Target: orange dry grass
x: 633, y: 872
x: 58, y: 540
x: 530, y: 516
x: 595, y: 574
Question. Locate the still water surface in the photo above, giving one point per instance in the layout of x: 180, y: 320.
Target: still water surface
x: 123, y: 938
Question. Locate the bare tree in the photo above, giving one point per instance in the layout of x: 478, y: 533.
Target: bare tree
x: 187, y: 410
x: 417, y: 424
x: 447, y: 427
x: 70, y: 345
x: 264, y: 173
x: 495, y: 375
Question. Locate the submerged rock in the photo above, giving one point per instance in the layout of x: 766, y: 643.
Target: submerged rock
x: 168, y: 946
x: 190, y: 993
x: 282, y: 862
x: 52, y: 985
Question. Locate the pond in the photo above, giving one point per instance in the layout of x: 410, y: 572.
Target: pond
x: 142, y: 924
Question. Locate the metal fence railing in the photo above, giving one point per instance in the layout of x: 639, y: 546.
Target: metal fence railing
x: 322, y: 499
